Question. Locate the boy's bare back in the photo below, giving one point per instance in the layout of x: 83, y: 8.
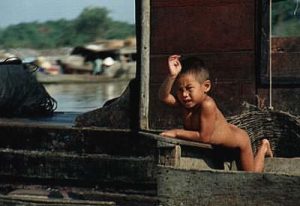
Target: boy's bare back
x: 222, y: 133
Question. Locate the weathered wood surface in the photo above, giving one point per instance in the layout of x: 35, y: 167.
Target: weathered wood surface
x: 289, y: 166
x: 58, y: 119
x: 187, y: 156
x: 41, y: 136
x: 31, y: 201
x: 162, y: 140
x: 286, y: 75
x: 285, y: 63
x: 44, y: 195
x: 232, y: 37
x: 143, y: 75
x: 83, y: 169
x: 116, y: 160
x: 205, y: 26
x: 285, y: 59
x: 112, y: 159
x: 178, y: 187
x: 222, y: 33
x: 285, y: 98
x: 98, y: 164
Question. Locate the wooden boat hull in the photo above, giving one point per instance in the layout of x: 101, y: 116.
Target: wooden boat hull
x: 108, y: 165
x: 59, y: 162
x: 211, y: 187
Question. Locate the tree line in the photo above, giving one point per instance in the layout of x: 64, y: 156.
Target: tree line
x: 286, y: 18
x: 93, y: 23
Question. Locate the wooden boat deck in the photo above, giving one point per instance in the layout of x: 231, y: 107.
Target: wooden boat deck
x: 63, y: 119
x: 97, y: 166
x: 49, y: 161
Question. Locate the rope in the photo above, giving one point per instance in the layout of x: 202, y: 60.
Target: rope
x: 270, y: 57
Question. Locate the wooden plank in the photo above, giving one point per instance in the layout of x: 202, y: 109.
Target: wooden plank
x: 225, y: 25
x: 285, y: 44
x: 289, y: 166
x: 145, y: 64
x: 174, y: 141
x: 204, y: 163
x: 32, y: 201
x: 285, y: 98
x: 186, y: 154
x: 285, y: 60
x: 86, y: 169
x: 78, y: 140
x: 130, y: 199
x: 286, y: 65
x: 184, y: 3
x: 82, y: 195
x: 183, y: 158
x: 222, y: 33
x: 58, y: 118
x: 190, y: 187
x: 169, y: 155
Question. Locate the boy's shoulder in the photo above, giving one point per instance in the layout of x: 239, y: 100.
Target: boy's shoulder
x: 208, y: 104
x: 208, y: 101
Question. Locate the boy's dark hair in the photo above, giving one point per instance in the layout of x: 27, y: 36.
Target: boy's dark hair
x: 195, y: 66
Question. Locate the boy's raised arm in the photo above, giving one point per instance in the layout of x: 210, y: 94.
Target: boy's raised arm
x: 166, y: 87
x: 164, y: 92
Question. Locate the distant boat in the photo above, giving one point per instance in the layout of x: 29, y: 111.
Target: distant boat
x: 77, y: 68
x: 80, y: 78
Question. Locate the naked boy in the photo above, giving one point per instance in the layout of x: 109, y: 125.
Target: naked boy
x: 203, y: 121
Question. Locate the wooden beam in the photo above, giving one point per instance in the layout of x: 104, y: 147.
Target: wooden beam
x: 145, y: 63
x: 191, y: 187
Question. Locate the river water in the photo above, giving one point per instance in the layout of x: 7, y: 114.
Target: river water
x: 84, y: 97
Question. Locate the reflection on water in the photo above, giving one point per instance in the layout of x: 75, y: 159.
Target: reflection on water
x: 84, y: 97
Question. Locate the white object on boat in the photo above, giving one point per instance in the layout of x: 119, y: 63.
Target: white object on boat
x: 108, y: 61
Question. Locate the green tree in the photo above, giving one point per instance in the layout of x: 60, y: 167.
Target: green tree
x: 120, y: 30
x: 93, y: 23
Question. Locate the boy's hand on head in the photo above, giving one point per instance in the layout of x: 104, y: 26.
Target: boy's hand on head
x: 174, y: 65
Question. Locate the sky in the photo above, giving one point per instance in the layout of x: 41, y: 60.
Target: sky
x: 17, y: 11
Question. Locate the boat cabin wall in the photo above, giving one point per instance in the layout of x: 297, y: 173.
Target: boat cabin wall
x: 221, y: 33
x: 231, y: 37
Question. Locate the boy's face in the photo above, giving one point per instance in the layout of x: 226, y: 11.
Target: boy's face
x: 189, y: 91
